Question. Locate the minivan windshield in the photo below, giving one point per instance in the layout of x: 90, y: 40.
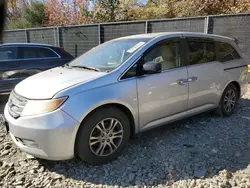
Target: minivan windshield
x: 109, y: 55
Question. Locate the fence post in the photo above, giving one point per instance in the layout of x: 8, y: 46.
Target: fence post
x: 58, y: 36
x: 26, y: 36
x: 206, y: 24
x: 99, y: 33
x: 146, y: 26
x: 55, y: 38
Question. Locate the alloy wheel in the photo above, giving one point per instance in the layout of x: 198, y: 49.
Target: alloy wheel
x: 229, y: 100
x: 106, y: 137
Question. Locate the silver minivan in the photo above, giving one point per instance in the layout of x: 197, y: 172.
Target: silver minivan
x: 91, y: 107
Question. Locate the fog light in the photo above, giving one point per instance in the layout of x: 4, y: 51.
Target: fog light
x: 28, y: 143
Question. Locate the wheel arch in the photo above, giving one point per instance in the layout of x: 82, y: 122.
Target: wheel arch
x: 237, y: 85
x: 219, y: 110
x: 122, y: 107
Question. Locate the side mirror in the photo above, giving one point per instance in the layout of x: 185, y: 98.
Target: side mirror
x: 151, y: 67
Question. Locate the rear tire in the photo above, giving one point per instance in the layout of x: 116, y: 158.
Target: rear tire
x: 228, y: 101
x: 102, y: 136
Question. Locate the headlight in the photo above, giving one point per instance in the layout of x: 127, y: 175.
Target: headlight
x: 34, y: 107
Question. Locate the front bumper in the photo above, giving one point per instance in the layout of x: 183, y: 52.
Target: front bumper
x: 52, y: 135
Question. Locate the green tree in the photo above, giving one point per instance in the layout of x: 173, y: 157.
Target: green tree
x: 125, y: 7
x: 30, y: 15
x: 210, y: 7
x: 153, y: 9
x: 35, y: 14
x: 105, y: 10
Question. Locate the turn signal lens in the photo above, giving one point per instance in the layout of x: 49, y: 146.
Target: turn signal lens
x: 34, y: 107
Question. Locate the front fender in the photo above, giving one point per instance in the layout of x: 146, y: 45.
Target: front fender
x: 124, y: 93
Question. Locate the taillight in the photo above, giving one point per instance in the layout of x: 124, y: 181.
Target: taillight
x: 248, y: 68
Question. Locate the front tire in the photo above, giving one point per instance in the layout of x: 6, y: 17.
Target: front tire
x: 228, y: 101
x: 102, y: 136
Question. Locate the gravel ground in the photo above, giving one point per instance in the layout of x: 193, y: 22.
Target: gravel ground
x: 202, y: 151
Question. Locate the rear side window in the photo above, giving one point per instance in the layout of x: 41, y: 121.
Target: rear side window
x: 35, y: 52
x: 8, y: 53
x: 226, y: 52
x: 201, y: 51
x: 27, y: 53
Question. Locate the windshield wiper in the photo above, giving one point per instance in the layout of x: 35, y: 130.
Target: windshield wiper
x: 85, y: 67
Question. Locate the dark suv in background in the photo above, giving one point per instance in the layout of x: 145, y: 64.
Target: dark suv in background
x: 19, y: 61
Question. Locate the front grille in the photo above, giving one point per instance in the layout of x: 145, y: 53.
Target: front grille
x: 16, y: 104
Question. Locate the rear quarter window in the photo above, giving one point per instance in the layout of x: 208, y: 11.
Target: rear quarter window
x: 225, y: 52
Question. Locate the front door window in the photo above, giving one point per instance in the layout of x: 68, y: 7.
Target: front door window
x: 166, y: 53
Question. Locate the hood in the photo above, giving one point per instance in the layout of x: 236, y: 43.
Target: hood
x: 46, y: 84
